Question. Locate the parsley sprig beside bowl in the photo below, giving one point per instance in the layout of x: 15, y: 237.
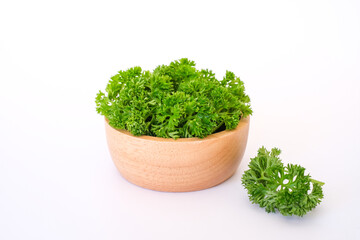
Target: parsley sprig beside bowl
x: 275, y: 186
x: 173, y: 101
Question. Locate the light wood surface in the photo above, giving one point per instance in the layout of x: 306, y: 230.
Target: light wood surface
x: 185, y: 164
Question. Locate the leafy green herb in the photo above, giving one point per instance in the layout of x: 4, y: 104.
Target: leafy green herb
x: 173, y: 101
x: 286, y: 188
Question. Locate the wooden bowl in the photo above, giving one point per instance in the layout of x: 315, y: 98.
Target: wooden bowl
x: 182, y: 165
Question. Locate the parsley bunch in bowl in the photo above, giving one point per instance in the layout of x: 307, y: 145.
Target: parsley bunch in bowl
x: 173, y: 101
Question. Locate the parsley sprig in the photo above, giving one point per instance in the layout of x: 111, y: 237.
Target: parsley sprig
x: 173, y: 101
x: 286, y: 188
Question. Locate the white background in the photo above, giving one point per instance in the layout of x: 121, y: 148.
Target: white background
x: 300, y: 63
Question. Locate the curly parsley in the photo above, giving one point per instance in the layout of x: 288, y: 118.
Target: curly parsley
x: 173, y: 101
x: 286, y: 188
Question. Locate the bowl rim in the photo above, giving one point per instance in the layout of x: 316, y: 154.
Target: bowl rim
x: 242, y: 123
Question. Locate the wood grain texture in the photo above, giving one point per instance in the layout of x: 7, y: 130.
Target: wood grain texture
x: 182, y: 165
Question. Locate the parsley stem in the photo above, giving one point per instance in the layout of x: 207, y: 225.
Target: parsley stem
x: 264, y: 178
x: 217, y: 127
x: 316, y: 181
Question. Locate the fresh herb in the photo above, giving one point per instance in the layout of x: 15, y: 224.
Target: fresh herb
x: 286, y: 188
x: 173, y: 101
